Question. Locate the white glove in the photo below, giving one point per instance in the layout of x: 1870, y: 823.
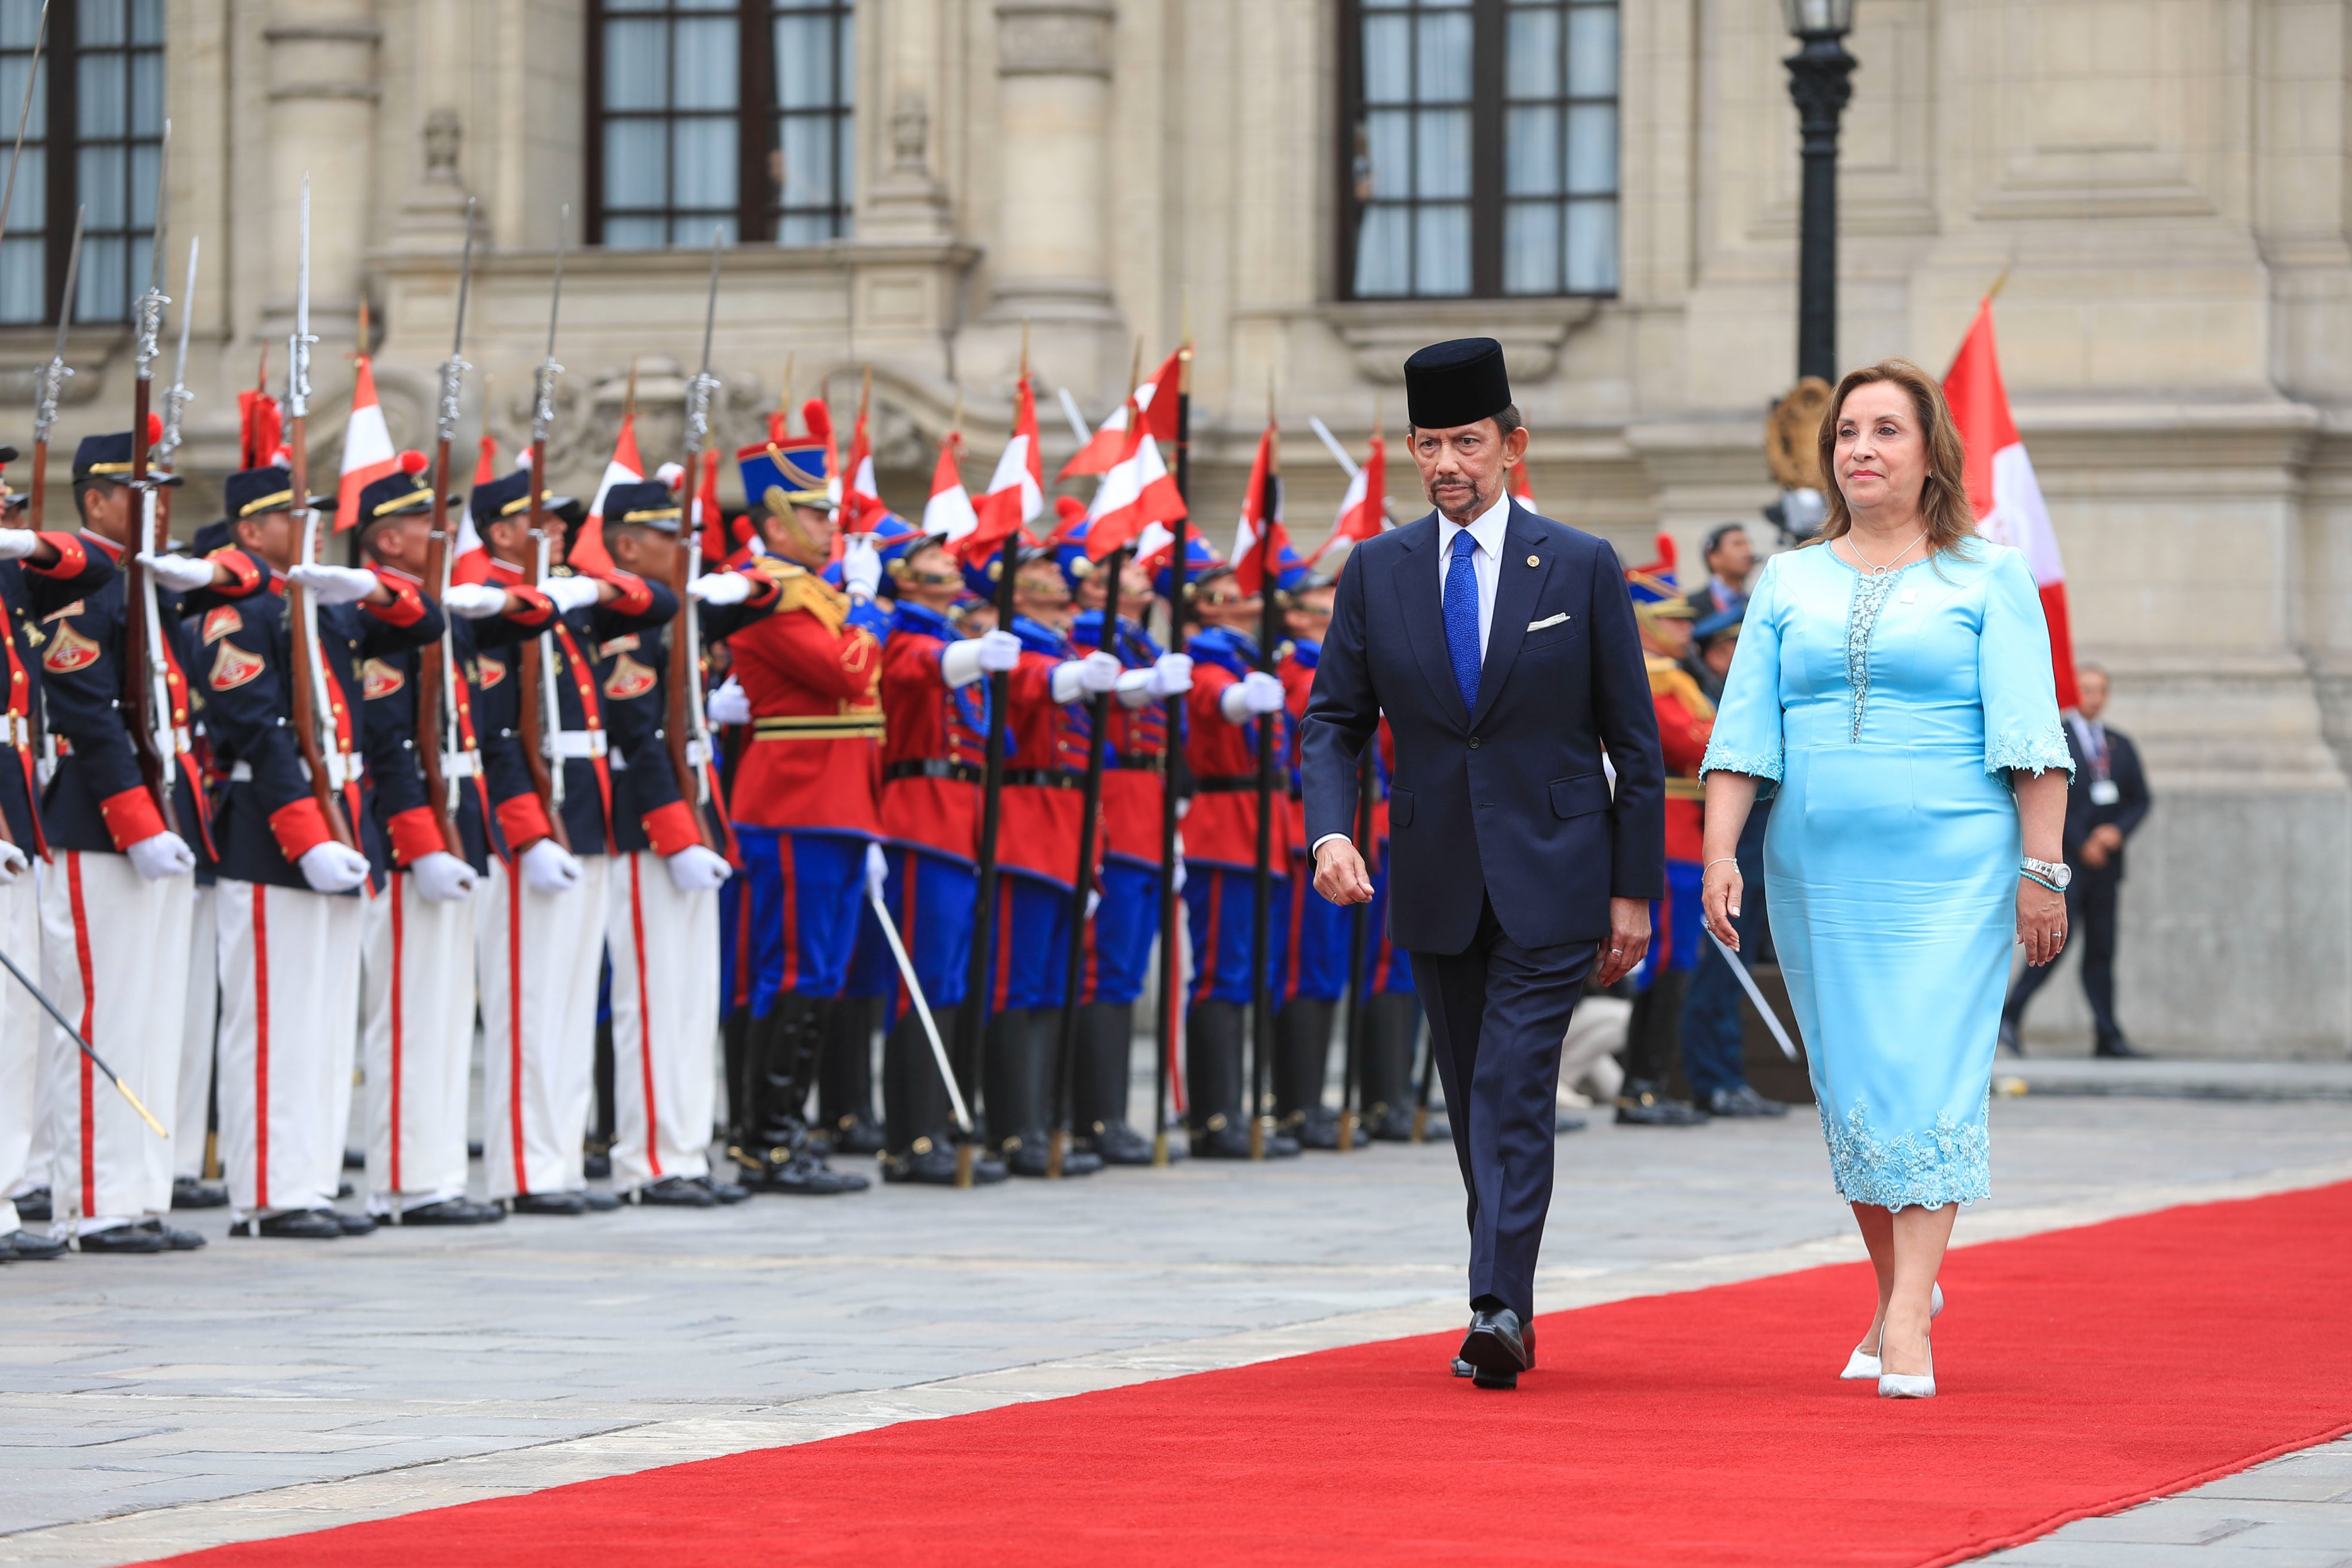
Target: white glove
x: 548, y: 867
x: 1172, y: 675
x: 330, y: 584
x: 877, y: 872
x: 571, y: 593
x: 474, y: 600
x: 165, y: 854
x: 861, y: 566
x: 331, y: 867
x: 442, y: 877
x: 1098, y: 672
x: 180, y: 573
x: 1093, y: 902
x: 1253, y: 697
x: 16, y: 544
x: 13, y: 864
x: 728, y: 704
x: 720, y: 588
x: 695, y: 869
x: 1000, y: 653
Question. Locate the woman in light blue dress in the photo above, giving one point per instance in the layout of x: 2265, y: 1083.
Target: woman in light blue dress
x: 1894, y: 683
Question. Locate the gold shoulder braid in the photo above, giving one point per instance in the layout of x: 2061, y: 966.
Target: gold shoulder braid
x: 806, y: 590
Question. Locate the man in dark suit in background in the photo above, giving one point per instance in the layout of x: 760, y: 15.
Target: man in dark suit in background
x: 2106, y: 802
x: 1502, y: 650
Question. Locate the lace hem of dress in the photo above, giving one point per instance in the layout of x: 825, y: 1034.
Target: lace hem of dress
x: 1948, y: 1163
x: 2029, y: 754
x: 1723, y: 759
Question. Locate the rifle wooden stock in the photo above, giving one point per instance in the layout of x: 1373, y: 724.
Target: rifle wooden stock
x: 530, y: 718
x: 138, y: 687
x: 432, y: 664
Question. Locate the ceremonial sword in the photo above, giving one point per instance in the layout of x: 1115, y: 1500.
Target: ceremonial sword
x: 1747, y: 984
x: 88, y: 1050
x: 923, y: 1010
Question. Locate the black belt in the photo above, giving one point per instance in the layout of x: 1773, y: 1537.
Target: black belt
x: 930, y: 768
x: 1046, y: 777
x: 1225, y: 784
x: 1133, y: 761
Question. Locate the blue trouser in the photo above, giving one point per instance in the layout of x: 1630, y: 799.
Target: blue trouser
x: 931, y: 898
x: 1031, y: 934
x: 1675, y: 929
x: 1126, y: 923
x: 736, y: 967
x: 805, y: 892
x: 1498, y: 1012
x: 1220, y: 902
x: 1713, y: 1056
x: 1314, y: 959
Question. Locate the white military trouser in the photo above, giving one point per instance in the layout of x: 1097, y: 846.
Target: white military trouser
x: 664, y: 946
x: 290, y: 976
x: 418, y: 994
x: 22, y: 1025
x: 202, y: 1013
x: 538, y: 955
x: 111, y: 949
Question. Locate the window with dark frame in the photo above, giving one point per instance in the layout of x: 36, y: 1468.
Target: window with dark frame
x: 1480, y: 151
x: 727, y: 114
x: 93, y: 139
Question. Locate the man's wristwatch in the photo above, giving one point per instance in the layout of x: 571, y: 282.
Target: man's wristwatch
x: 2053, y: 874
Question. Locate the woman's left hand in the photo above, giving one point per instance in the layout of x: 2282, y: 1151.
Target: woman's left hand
x: 2040, y: 921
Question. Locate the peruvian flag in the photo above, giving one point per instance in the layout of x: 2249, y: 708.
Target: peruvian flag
x: 1138, y: 494
x: 586, y: 552
x: 2002, y: 491
x: 862, y: 507
x: 473, y: 559
x: 368, y: 453
x: 1016, y: 491
x: 1362, y: 508
x: 949, y: 514
x: 1258, y: 538
x: 1107, y: 446
x: 1523, y: 489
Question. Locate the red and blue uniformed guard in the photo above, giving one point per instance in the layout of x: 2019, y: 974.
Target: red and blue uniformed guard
x: 1311, y: 966
x: 1685, y: 721
x: 1229, y: 695
x: 541, y: 946
x: 418, y: 974
x: 1126, y: 923
x: 41, y: 574
x: 289, y: 887
x: 119, y: 892
x: 808, y: 661
x: 1392, y: 1029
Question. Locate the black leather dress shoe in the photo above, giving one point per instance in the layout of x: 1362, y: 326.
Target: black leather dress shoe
x: 1495, y: 1349
x: 596, y: 1164
x: 549, y: 1202
x: 453, y: 1211
x: 723, y: 1190
x: 122, y: 1238
x: 175, y: 1238
x: 29, y: 1248
x: 293, y: 1225
x: 2119, y: 1048
x: 1642, y: 1105
x: 1743, y: 1101
x: 1119, y: 1145
x: 187, y: 1192
x: 856, y: 1135
x: 34, y: 1206
x: 1314, y: 1129
x: 354, y: 1223
x: 676, y: 1192
x: 598, y: 1201
x: 803, y: 1174
x: 1223, y: 1141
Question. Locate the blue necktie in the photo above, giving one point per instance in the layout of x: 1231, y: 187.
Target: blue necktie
x: 1462, y: 619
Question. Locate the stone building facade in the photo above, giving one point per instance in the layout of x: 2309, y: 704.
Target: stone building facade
x: 2163, y: 182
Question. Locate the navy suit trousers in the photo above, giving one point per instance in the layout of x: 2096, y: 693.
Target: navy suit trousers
x: 1498, y: 1012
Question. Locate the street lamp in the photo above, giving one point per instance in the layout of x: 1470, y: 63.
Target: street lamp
x: 1820, y: 79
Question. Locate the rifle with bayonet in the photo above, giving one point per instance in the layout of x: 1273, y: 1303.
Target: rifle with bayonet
x: 683, y: 725
x: 541, y: 712
x: 49, y: 381
x: 319, y: 743
x: 437, y: 672
x: 154, y: 720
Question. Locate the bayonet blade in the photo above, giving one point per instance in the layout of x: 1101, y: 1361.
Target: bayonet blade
x: 543, y: 410
x: 25, y: 114
x: 73, y: 270
x: 454, y: 369
x: 297, y: 348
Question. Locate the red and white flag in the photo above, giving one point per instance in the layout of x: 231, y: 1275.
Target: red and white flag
x: 862, y: 507
x: 2002, y: 491
x: 1137, y: 493
x: 1363, y: 510
x: 1016, y: 491
x: 586, y: 552
x: 368, y: 453
x: 947, y: 514
x: 1107, y: 446
x: 1258, y: 539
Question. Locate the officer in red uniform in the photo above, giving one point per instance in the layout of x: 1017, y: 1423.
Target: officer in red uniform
x: 1392, y: 1027
x: 1313, y: 967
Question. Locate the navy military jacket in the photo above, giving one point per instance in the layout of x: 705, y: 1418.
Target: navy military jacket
x: 31, y: 594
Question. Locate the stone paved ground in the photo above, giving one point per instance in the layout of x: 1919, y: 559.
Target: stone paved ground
x: 257, y: 1389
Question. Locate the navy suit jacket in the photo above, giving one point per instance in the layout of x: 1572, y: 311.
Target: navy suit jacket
x: 1509, y: 803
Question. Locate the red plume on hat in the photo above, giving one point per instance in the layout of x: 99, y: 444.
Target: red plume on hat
x: 260, y: 429
x: 412, y: 462
x: 1070, y: 513
x: 819, y: 420
x: 485, y: 468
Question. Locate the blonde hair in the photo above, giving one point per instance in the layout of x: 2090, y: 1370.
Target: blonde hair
x: 1943, y: 497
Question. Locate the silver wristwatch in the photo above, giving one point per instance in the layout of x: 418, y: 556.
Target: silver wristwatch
x: 2057, y: 873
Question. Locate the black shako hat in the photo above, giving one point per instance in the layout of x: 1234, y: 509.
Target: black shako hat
x: 1460, y: 382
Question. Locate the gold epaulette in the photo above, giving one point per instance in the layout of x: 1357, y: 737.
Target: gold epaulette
x: 1668, y: 679
x: 797, y: 588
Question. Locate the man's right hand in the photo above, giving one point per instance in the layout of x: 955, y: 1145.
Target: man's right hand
x: 1339, y: 873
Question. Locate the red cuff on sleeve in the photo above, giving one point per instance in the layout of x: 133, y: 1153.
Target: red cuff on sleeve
x: 130, y: 817
x: 538, y: 609
x: 672, y: 828
x: 523, y: 821
x: 764, y: 590
x: 300, y: 828
x: 407, y: 606
x: 636, y: 598
x: 416, y: 833
x: 247, y: 575
x: 72, y: 558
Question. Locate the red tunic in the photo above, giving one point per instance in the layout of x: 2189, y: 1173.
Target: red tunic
x: 930, y: 724
x: 1039, y: 836
x: 814, y: 680
x: 1132, y: 768
x: 1686, y: 722
x: 1220, y: 828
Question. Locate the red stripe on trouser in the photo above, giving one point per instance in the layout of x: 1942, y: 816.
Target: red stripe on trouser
x: 260, y: 1045
x: 1205, y: 983
x: 1090, y: 980
x: 514, y: 1038
x: 1003, y: 987
x: 644, y: 1012
x: 88, y: 1008
x: 906, y: 934
x: 790, y: 913
x: 743, y: 996
x: 399, y: 970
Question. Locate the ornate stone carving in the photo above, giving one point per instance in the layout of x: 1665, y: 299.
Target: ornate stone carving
x: 910, y: 132
x: 443, y: 137
x: 1054, y: 38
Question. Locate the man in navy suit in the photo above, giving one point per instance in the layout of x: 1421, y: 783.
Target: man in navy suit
x: 1506, y: 662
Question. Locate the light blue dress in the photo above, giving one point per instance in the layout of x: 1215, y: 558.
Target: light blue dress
x: 1890, y: 709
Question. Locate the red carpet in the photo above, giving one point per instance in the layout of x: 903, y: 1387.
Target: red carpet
x: 2082, y: 1371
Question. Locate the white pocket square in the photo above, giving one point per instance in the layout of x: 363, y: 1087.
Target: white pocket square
x: 1547, y: 621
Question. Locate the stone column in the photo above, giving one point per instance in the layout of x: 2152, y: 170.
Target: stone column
x: 322, y: 105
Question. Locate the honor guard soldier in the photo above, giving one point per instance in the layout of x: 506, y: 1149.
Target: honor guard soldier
x: 418, y: 968
x: 1392, y: 1028
x: 808, y: 659
x: 120, y: 891
x: 1120, y: 935
x: 1685, y: 720
x: 662, y: 935
x: 543, y: 952
x: 1313, y: 966
x: 294, y: 852
x: 40, y: 575
x: 1229, y: 695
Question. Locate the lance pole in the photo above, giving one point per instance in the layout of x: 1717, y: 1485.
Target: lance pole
x: 1260, y: 1122
x: 1172, y: 780
x: 1359, y: 1005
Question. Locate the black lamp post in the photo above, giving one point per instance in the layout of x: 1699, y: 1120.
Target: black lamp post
x: 1820, y: 79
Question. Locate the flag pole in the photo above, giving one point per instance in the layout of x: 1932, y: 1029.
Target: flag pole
x: 1262, y: 910
x: 1172, y: 777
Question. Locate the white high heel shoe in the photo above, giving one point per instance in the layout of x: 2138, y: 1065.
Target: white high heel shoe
x: 1896, y: 1385
x: 1862, y: 1365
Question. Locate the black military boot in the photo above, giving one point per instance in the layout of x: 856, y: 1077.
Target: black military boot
x: 780, y: 1066
x: 1212, y: 1075
x: 1302, y: 1061
x: 1106, y: 1041
x: 735, y: 1044
x: 845, y: 1075
x: 1018, y: 1089
x: 1652, y: 1051
x: 1391, y: 1021
x: 915, y: 1116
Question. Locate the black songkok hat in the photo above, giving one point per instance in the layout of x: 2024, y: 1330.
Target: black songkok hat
x: 1456, y: 382
x: 648, y: 504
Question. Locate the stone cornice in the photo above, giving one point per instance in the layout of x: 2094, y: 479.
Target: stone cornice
x: 741, y: 262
